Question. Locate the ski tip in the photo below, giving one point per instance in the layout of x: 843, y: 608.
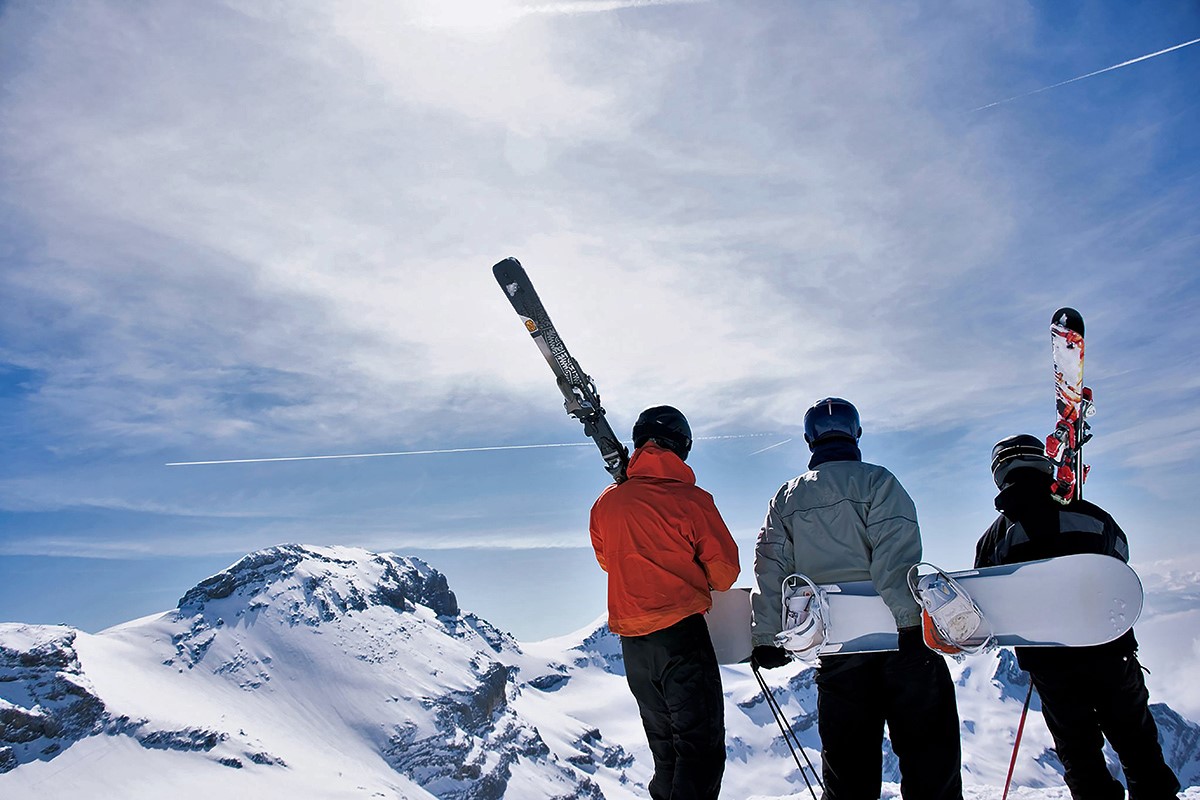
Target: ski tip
x: 1068, y: 318
x: 506, y: 267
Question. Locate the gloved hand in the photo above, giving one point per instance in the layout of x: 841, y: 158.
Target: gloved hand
x: 769, y: 657
x: 911, y: 641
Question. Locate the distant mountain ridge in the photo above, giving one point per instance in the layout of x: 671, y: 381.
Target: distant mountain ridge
x: 307, y: 671
x: 370, y: 648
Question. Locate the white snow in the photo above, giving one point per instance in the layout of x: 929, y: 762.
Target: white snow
x: 300, y: 683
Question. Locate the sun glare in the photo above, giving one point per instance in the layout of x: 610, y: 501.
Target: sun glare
x: 469, y: 14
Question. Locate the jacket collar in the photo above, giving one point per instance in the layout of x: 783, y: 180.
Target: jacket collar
x: 834, y: 450
x: 1024, y: 490
x: 652, y: 461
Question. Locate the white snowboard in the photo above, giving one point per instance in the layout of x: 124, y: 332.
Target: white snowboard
x: 1070, y: 601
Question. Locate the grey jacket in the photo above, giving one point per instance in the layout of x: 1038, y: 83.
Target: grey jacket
x: 842, y: 521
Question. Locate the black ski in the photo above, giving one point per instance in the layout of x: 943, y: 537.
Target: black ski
x: 582, y: 401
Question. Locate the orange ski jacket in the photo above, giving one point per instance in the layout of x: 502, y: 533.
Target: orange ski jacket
x: 662, y: 542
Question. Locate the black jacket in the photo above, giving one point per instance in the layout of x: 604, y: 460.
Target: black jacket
x: 1033, y: 525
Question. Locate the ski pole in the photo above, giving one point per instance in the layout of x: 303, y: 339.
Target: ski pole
x: 788, y: 733
x: 1017, y: 742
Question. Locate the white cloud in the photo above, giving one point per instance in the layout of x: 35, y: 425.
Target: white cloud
x: 270, y: 226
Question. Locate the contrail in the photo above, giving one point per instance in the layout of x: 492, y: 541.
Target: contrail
x: 1089, y: 75
x: 423, y: 452
x: 771, y: 447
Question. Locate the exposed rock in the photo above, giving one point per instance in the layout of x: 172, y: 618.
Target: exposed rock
x: 56, y: 706
x: 400, y: 582
x: 1181, y: 743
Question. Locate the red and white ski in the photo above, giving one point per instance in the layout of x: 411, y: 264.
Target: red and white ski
x: 1074, y: 404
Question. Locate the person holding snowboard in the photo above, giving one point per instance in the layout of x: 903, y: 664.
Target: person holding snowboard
x: 1088, y: 693
x: 664, y: 545
x: 846, y: 520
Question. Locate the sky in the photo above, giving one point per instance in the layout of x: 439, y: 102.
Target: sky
x: 236, y: 230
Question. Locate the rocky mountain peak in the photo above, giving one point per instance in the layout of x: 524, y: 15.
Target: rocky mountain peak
x: 327, y: 582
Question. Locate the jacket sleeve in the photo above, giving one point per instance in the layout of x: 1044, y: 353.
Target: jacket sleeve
x: 1119, y: 544
x: 597, y: 532
x: 773, y: 561
x: 895, y: 540
x: 715, y: 549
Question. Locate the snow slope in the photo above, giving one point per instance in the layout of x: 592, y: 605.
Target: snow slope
x: 329, y: 672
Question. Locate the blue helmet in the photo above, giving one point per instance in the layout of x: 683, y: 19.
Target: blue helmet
x: 831, y: 418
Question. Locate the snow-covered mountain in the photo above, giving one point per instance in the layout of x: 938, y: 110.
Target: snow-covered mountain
x: 328, y: 672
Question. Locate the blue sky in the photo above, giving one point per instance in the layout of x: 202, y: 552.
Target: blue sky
x: 239, y: 230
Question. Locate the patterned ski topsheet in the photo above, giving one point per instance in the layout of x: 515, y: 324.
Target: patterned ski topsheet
x: 525, y: 301
x: 581, y: 399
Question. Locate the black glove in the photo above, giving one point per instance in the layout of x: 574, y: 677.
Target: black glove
x: 769, y: 657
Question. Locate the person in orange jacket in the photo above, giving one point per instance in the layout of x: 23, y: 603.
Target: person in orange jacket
x: 665, y: 547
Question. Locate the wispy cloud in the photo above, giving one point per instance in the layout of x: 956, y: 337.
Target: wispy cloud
x: 594, y: 6
x: 1089, y: 75
x: 240, y: 229
x: 323, y: 229
x: 304, y: 263
x: 503, y: 12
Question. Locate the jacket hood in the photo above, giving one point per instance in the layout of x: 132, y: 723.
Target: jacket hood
x: 652, y: 461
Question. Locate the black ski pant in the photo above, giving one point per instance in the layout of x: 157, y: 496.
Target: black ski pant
x: 912, y: 693
x: 674, y: 677
x: 1084, y: 702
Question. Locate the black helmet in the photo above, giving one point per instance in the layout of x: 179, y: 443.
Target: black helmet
x: 831, y: 418
x: 1020, y: 451
x: 665, y: 425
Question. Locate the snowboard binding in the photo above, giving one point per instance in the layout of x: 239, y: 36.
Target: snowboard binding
x: 1063, y: 448
x: 951, y: 622
x: 805, y: 617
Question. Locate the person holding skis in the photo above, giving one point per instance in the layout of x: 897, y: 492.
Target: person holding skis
x: 1088, y: 693
x: 664, y: 545
x: 846, y: 520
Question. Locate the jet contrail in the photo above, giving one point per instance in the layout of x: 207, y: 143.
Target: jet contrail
x: 771, y: 447
x: 1089, y: 75
x: 424, y: 452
